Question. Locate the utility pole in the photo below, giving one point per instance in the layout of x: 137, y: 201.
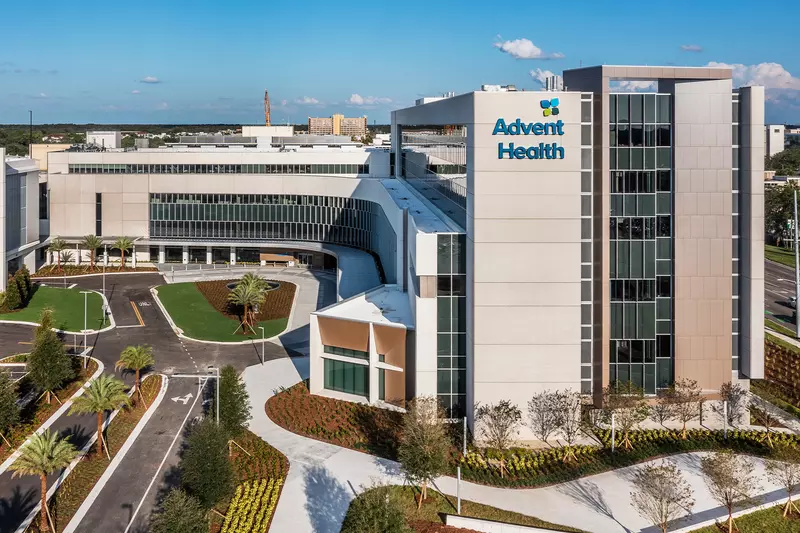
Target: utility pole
x: 30, y: 133
x: 796, y: 268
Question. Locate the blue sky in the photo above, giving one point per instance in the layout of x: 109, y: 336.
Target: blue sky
x: 209, y: 62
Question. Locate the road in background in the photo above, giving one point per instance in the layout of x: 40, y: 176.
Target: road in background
x: 778, y: 287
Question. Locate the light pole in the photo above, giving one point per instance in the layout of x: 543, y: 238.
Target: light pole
x: 262, y: 343
x: 85, y: 307
x: 216, y: 392
x: 796, y: 269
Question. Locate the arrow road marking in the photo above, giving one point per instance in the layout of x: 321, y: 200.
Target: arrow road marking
x: 183, y: 399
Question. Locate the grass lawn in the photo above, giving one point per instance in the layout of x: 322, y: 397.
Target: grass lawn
x: 780, y: 328
x: 67, y: 306
x: 770, y: 520
x: 437, y: 503
x: 198, y: 319
x: 783, y: 256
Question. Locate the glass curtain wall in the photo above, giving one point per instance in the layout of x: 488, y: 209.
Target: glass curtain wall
x: 641, y: 240
x: 451, y: 301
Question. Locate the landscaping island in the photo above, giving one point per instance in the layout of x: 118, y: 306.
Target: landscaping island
x: 202, y: 310
x: 67, y: 306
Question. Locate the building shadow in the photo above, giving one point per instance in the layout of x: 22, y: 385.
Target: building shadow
x: 327, y: 500
x: 381, y: 435
x: 14, y: 509
x: 590, y: 495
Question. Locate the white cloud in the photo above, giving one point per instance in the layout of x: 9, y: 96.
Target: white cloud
x: 524, y: 49
x: 136, y: 91
x: 306, y: 100
x: 357, y: 99
x: 770, y: 75
x: 691, y: 48
x: 284, y: 102
x: 162, y: 106
x: 634, y: 85
x: 150, y: 79
x: 42, y: 95
x: 541, y: 75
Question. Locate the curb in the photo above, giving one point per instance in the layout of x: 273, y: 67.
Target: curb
x: 179, y: 332
x: 737, y: 514
x: 112, y: 323
x: 55, y: 416
x: 115, y: 462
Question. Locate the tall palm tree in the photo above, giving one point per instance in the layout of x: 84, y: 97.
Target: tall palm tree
x: 123, y: 244
x: 136, y: 359
x: 247, y: 296
x: 57, y: 245
x: 106, y: 393
x: 44, y: 454
x: 92, y: 243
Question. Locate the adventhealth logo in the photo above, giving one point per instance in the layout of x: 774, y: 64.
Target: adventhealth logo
x: 543, y: 151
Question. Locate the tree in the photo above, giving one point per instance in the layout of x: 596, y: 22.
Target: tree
x: 785, y: 163
x: 44, y: 454
x: 730, y: 480
x: 662, y: 494
x: 375, y: 510
x: 736, y: 396
x: 205, y: 470
x: 9, y: 410
x: 25, y: 276
x: 23, y: 287
x: 234, y: 403
x: 662, y: 409
x: 123, y: 244
x: 764, y: 417
x: 784, y: 470
x: 57, y: 245
x: 13, y: 298
x: 136, y: 359
x: 499, y: 426
x: 778, y: 210
x: 685, y: 397
x: 544, y: 414
x: 570, y: 421
x: 627, y: 403
x: 105, y: 393
x: 92, y: 243
x: 247, y: 296
x: 180, y: 513
x: 424, y: 443
x: 129, y: 141
x: 49, y: 366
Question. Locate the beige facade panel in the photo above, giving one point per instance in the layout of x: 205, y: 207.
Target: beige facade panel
x: 524, y: 294
x: 529, y: 325
x: 344, y: 333
x: 527, y: 263
x: 391, y: 343
x: 542, y: 363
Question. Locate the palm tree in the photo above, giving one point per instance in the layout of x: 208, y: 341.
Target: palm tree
x: 252, y: 279
x: 106, y: 393
x: 247, y: 296
x: 136, y: 359
x: 92, y: 243
x: 57, y: 245
x: 123, y: 244
x: 41, y: 456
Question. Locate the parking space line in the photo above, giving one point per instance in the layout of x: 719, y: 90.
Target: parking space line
x: 138, y: 315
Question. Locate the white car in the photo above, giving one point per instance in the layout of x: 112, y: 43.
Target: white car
x: 793, y: 302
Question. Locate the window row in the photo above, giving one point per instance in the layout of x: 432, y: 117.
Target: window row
x: 641, y: 290
x: 638, y: 228
x: 624, y: 135
x: 451, y: 253
x: 451, y: 314
x: 637, y: 259
x: 640, y: 351
x: 447, y: 169
x: 346, y: 352
x: 261, y: 231
x: 327, y: 168
x: 350, y: 218
x: 649, y: 376
x: 351, y: 378
x: 640, y: 108
x: 640, y: 182
x: 634, y: 320
x: 454, y: 405
x: 451, y: 285
x: 261, y: 199
x: 640, y: 158
x: 641, y: 204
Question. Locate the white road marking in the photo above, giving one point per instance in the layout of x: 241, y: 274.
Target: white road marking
x: 183, y: 399
x: 164, y: 460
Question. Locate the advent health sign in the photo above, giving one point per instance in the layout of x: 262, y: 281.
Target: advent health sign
x: 544, y: 150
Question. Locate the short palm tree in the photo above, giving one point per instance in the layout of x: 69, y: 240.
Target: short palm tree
x: 247, y: 296
x: 57, y: 245
x: 41, y: 456
x: 106, y: 393
x: 92, y: 243
x: 123, y: 244
x: 136, y: 359
x: 253, y: 279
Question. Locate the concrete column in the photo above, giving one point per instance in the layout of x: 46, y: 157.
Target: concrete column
x: 373, y: 370
x: 162, y: 255
x: 78, y: 254
x: 105, y: 255
x: 233, y: 255
x: 185, y: 255
x: 209, y: 255
x: 133, y: 256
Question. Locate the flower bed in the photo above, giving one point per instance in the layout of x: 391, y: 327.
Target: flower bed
x: 264, y: 461
x: 36, y: 413
x: 351, y: 425
x: 52, y: 271
x: 252, y: 506
x: 277, y: 303
x: 70, y: 495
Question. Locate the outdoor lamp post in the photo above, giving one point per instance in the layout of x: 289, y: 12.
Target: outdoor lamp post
x: 216, y: 373
x: 262, y: 343
x: 85, y: 325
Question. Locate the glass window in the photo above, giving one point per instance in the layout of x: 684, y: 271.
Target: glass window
x: 637, y: 114
x: 586, y: 111
x: 664, y: 108
x: 622, y: 108
x: 650, y: 108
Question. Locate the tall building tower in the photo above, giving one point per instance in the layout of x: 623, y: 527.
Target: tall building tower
x: 266, y: 107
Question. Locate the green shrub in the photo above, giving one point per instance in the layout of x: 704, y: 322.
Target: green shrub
x: 13, y: 298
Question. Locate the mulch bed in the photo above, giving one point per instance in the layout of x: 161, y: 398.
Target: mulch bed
x: 277, y: 303
x: 52, y: 271
x: 350, y: 425
x: 421, y: 526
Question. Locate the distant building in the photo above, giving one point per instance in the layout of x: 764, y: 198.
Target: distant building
x: 38, y: 152
x: 338, y: 125
x: 775, y: 139
x: 104, y: 139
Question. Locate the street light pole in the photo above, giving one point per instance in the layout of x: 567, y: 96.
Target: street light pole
x: 216, y: 372
x: 796, y: 268
x: 85, y: 325
x: 262, y: 343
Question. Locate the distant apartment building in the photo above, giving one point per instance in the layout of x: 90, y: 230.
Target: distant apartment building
x: 775, y: 139
x: 337, y: 125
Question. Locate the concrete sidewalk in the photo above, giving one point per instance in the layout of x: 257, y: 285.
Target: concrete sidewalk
x: 324, y: 478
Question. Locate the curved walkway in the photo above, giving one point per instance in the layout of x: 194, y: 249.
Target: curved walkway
x: 324, y: 478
